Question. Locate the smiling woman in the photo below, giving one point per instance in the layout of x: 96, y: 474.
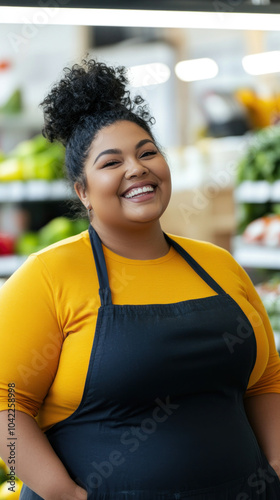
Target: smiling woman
x: 127, y: 189
x: 145, y: 367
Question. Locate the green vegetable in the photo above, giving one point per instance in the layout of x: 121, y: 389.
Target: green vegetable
x: 27, y: 243
x: 11, y: 170
x: 57, y: 229
x: 261, y: 161
x: 30, y: 147
x: 35, y: 158
x: 13, y: 104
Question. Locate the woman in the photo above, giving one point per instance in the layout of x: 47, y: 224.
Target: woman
x: 143, y: 356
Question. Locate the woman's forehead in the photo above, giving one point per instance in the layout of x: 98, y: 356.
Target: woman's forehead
x: 118, y: 135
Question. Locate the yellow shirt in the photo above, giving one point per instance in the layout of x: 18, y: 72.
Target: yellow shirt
x: 49, y: 308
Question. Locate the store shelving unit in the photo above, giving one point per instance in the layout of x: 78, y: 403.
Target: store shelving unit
x: 30, y: 191
x: 258, y: 192
x: 15, y: 128
x: 257, y: 256
x: 253, y: 255
x: 35, y: 190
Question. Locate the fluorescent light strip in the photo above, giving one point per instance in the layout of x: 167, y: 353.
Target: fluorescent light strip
x: 157, y: 19
x: 263, y: 63
x: 196, y: 69
x: 145, y: 75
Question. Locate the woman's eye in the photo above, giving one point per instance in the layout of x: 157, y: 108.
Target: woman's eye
x: 149, y: 153
x: 110, y: 164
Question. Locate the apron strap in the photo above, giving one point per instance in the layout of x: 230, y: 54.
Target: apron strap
x: 104, y: 287
x: 105, y: 291
x: 196, y: 267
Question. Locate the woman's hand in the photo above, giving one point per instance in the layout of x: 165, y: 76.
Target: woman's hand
x: 74, y: 492
x: 263, y: 412
x: 276, y: 467
x: 37, y: 464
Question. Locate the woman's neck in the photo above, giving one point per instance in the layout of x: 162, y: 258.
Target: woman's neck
x: 138, y: 243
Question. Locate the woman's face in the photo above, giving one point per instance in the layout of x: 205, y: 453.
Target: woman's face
x: 128, y: 179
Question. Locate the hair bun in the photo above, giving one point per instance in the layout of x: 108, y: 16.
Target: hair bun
x: 91, y: 88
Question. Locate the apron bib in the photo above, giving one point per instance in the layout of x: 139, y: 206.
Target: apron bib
x: 162, y: 414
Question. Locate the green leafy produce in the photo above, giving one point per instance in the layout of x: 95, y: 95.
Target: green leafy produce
x: 11, y: 169
x: 57, y: 229
x: 276, y: 208
x: 13, y: 104
x: 261, y: 161
x: 31, y: 147
x: 35, y: 158
x: 80, y: 225
x: 27, y: 243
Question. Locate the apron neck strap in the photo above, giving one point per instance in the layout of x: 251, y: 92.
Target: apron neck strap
x: 104, y: 287
x: 196, y: 267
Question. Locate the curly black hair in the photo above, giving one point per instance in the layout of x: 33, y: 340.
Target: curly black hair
x: 89, y: 97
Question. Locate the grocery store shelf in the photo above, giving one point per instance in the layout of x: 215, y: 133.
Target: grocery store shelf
x: 257, y: 192
x: 10, y: 263
x: 255, y: 256
x: 34, y: 190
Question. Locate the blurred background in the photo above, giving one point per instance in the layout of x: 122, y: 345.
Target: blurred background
x: 212, y: 80
x: 214, y: 88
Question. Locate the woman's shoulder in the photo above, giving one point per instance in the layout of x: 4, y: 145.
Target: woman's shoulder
x: 204, y: 250
x: 217, y: 261
x: 61, y: 260
x: 67, y: 247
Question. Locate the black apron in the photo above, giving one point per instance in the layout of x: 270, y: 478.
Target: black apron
x: 162, y: 414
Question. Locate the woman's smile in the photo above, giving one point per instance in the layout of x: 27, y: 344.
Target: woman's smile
x: 140, y: 192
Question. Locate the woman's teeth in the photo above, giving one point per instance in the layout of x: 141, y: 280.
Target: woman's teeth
x: 137, y: 191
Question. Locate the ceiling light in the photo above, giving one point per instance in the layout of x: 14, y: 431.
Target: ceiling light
x: 263, y: 63
x: 157, y: 19
x: 148, y: 74
x: 196, y: 69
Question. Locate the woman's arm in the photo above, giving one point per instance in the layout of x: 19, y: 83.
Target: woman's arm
x: 30, y: 295
x: 36, y: 463
x: 264, y: 415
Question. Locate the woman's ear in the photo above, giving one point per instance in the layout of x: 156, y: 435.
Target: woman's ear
x: 82, y: 194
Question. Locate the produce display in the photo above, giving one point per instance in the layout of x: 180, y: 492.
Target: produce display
x: 264, y: 230
x: 57, y: 229
x: 270, y: 295
x: 35, y: 158
x: 7, y: 244
x: 262, y: 158
x: 9, y: 490
x: 261, y: 161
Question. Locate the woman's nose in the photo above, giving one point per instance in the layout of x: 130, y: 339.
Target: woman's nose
x: 135, y: 169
